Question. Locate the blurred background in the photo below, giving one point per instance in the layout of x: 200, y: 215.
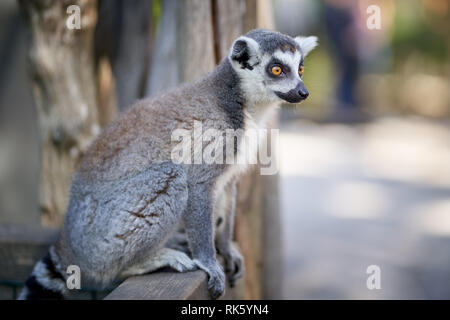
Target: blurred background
x: 364, y: 162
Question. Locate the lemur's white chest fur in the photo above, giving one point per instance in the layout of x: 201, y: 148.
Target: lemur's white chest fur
x: 247, y: 151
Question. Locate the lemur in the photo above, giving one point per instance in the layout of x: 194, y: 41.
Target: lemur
x: 127, y: 197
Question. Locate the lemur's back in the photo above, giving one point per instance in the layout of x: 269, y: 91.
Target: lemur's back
x: 142, y: 135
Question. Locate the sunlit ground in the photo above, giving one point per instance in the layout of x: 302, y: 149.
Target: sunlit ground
x: 373, y: 194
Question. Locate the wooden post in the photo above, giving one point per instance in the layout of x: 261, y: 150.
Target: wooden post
x: 63, y: 84
x: 123, y: 35
x: 258, y: 225
x: 229, y: 24
x: 195, y: 54
x: 163, y: 66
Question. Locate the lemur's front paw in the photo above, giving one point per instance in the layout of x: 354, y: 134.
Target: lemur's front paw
x: 234, y: 265
x: 216, y: 277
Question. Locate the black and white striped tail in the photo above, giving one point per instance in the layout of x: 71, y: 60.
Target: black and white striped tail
x: 46, y: 281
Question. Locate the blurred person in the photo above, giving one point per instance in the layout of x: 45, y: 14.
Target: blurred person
x: 342, y: 29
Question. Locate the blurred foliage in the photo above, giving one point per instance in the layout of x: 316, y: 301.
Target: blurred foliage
x: 319, y: 77
x: 422, y: 27
x: 156, y: 12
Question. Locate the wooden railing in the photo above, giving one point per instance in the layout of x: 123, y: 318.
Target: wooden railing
x: 22, y: 246
x: 163, y: 285
x: 257, y: 235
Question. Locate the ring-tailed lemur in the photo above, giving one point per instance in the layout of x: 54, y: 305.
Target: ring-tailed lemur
x: 127, y: 197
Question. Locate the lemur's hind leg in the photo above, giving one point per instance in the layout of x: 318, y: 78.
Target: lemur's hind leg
x: 123, y: 224
x: 179, y: 241
x: 224, y: 214
x: 164, y: 257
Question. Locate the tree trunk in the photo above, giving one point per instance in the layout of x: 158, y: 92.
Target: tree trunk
x: 63, y: 83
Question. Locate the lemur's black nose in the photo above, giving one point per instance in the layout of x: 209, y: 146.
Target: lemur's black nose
x: 303, y: 93
x: 295, y: 95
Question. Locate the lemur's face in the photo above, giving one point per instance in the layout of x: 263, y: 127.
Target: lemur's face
x: 270, y: 65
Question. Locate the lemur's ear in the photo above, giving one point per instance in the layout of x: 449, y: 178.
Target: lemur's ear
x: 245, y: 52
x: 306, y: 43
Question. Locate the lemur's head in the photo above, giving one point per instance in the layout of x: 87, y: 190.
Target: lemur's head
x: 270, y: 65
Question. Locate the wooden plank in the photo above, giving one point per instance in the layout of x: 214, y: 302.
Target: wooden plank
x: 248, y: 233
x: 163, y: 286
x: 271, y: 258
x: 167, y: 285
x: 21, y: 247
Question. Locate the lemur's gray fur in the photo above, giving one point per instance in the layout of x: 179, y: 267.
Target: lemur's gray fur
x: 128, y: 198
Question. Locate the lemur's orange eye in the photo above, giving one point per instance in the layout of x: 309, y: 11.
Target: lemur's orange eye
x: 276, y: 70
x: 300, y: 70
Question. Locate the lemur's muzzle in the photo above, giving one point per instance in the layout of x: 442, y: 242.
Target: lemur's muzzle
x: 295, y: 95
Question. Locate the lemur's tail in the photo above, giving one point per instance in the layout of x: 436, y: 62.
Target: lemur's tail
x: 46, y: 281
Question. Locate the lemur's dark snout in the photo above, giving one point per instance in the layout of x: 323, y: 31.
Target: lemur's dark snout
x: 303, y: 93
x: 299, y: 93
